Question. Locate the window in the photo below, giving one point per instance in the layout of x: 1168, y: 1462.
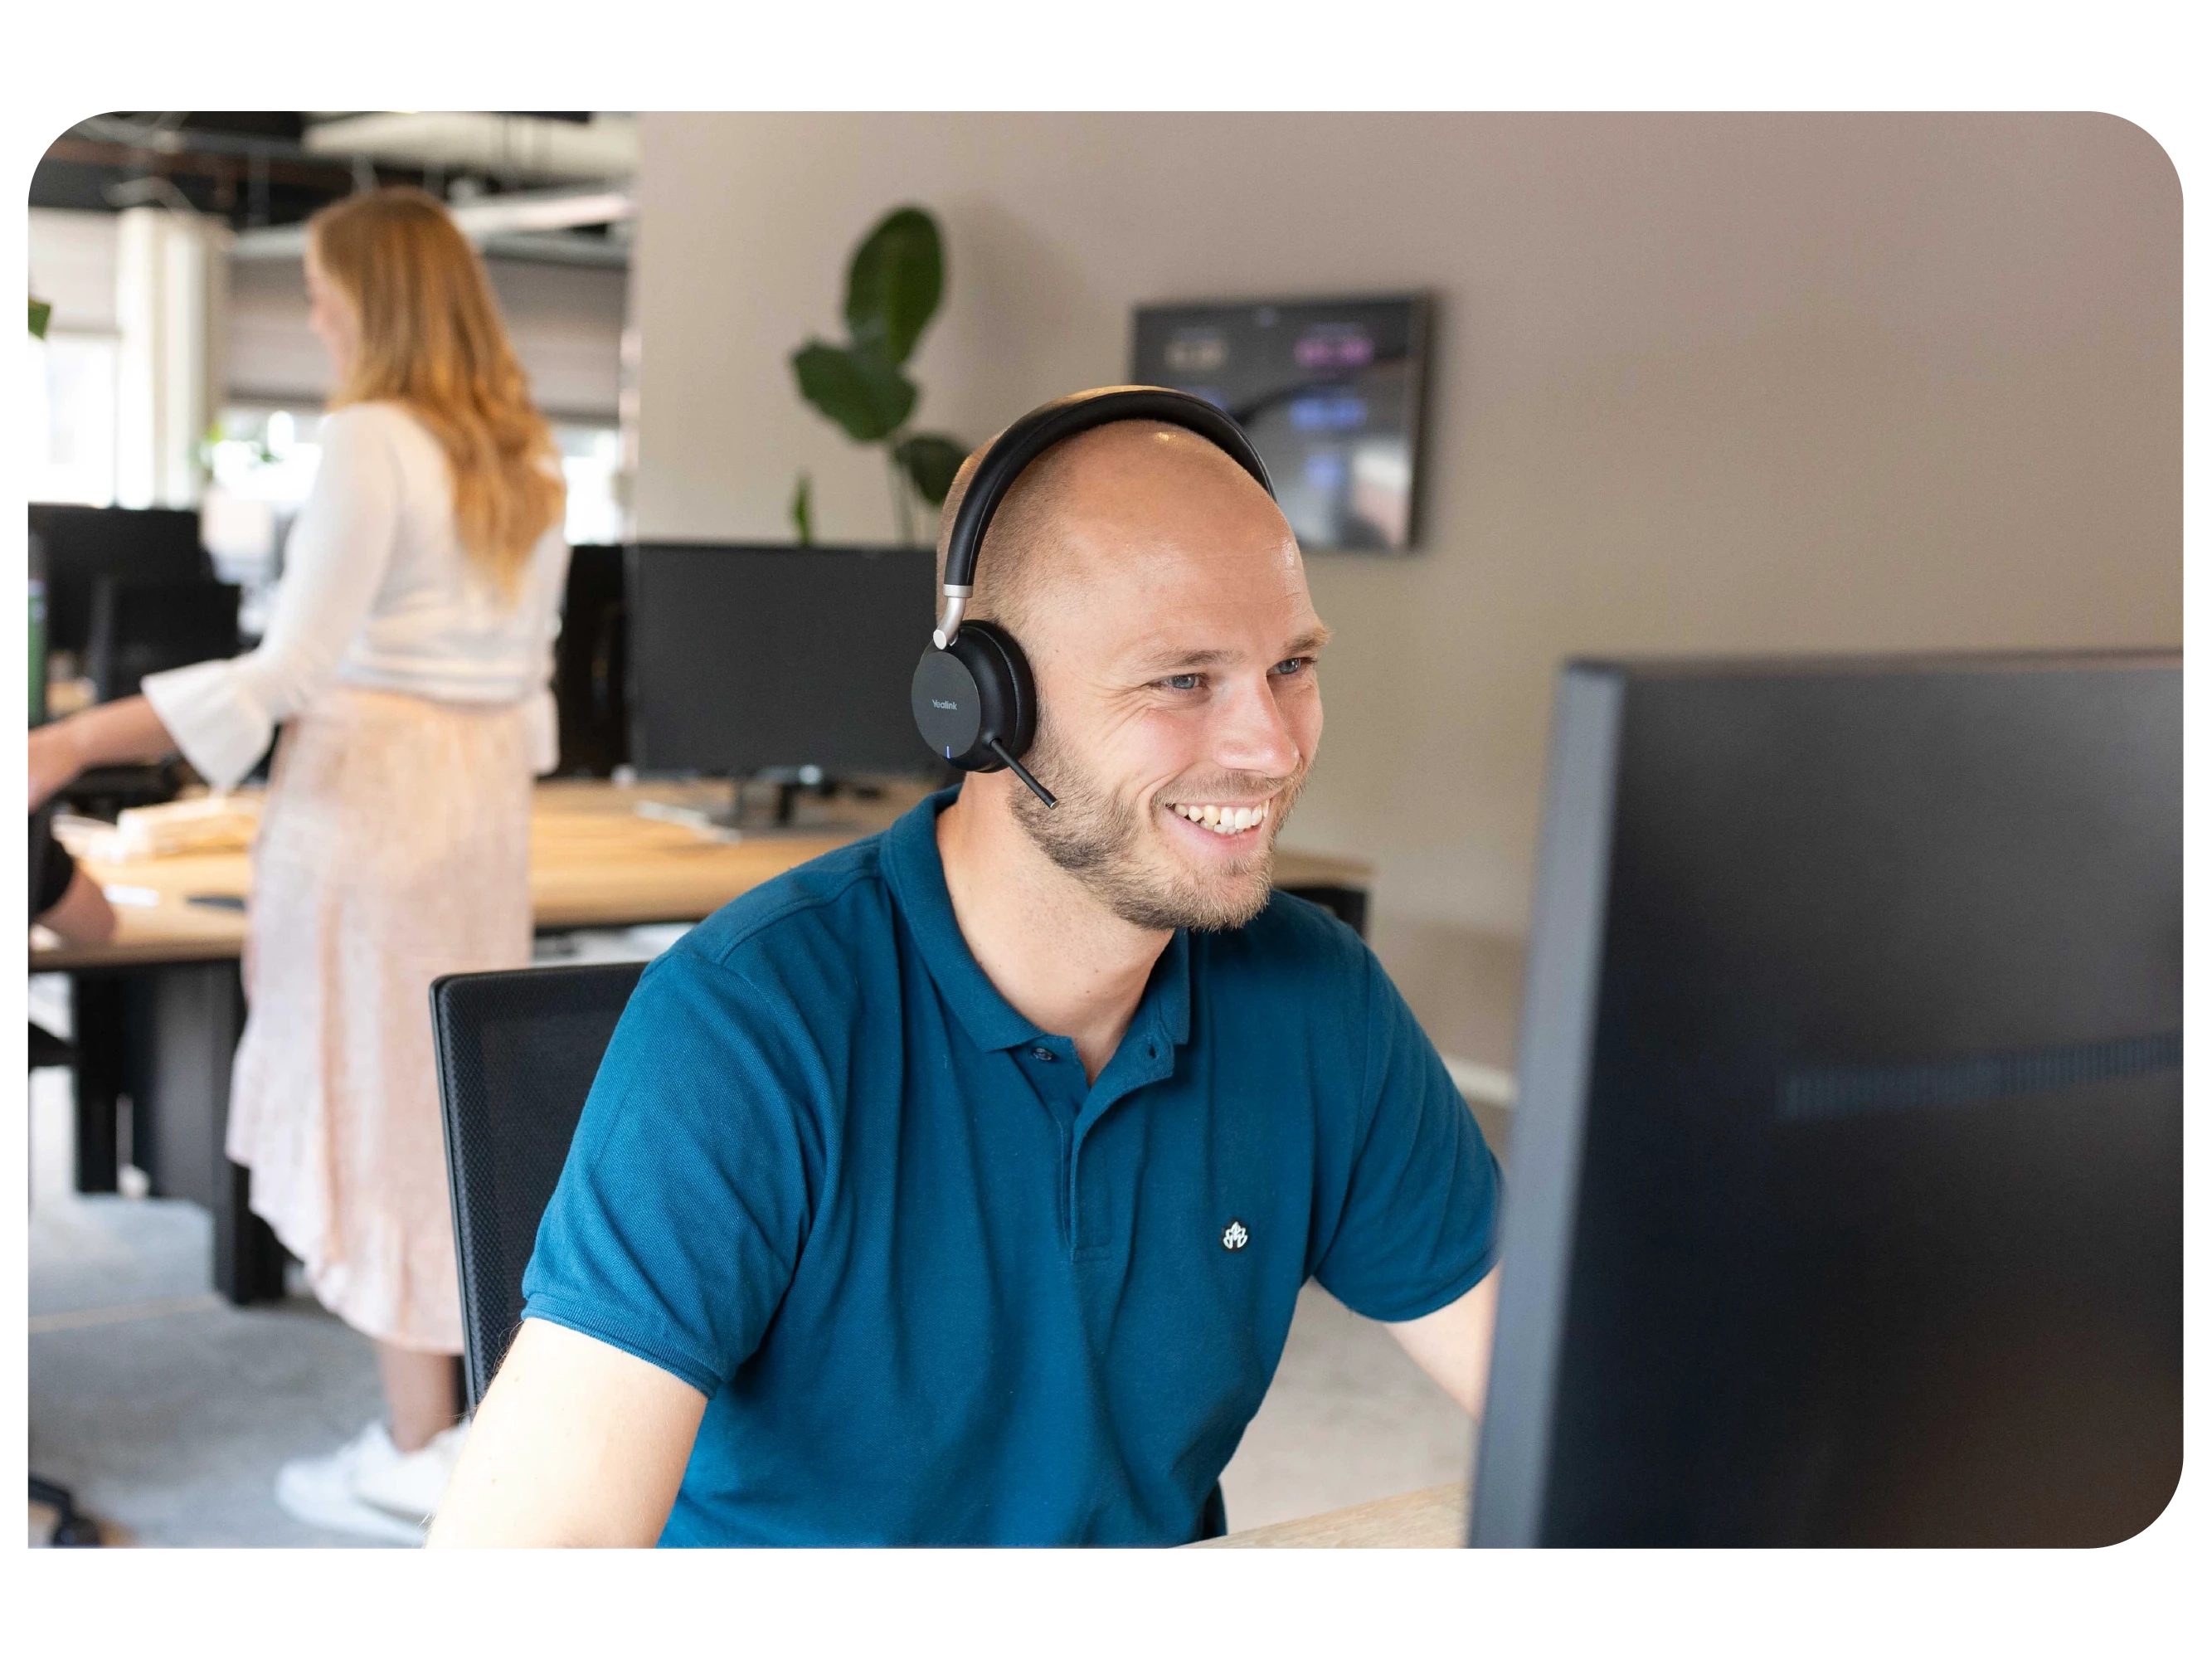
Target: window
x: 591, y: 461
x: 75, y: 383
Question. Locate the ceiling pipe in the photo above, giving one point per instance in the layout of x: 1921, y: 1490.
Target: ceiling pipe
x: 484, y: 219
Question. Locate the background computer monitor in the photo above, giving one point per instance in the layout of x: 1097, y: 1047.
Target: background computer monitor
x: 590, y: 664
x: 746, y: 660
x: 1845, y: 1205
x: 140, y: 629
x: 130, y: 545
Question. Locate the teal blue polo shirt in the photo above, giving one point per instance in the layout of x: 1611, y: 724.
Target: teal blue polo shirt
x: 938, y: 1289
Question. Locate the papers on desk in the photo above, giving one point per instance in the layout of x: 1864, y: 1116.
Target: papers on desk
x: 692, y: 818
x: 205, y: 824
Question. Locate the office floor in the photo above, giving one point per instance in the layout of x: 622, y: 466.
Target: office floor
x: 167, y: 1411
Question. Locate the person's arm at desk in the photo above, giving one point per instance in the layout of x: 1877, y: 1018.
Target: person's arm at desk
x: 81, y: 915
x: 105, y: 735
x: 576, y: 1443
x: 1452, y: 1344
x: 221, y: 713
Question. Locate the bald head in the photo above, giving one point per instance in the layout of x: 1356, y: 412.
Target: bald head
x: 1109, y: 495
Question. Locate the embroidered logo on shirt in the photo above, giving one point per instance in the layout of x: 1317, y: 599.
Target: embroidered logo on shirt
x: 1236, y: 1236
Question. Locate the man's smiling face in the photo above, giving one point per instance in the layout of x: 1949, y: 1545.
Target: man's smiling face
x: 1174, y: 645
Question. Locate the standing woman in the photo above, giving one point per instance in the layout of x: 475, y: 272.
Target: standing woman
x: 408, y: 662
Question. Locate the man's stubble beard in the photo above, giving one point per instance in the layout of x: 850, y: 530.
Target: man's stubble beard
x: 1094, y: 836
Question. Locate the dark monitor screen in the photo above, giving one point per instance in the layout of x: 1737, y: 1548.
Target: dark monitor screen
x: 140, y: 629
x: 591, y: 667
x: 746, y: 658
x: 1845, y: 1205
x: 130, y: 545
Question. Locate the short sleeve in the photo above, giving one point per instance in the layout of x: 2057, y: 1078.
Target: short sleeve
x: 1418, y: 1222
x: 687, y: 1195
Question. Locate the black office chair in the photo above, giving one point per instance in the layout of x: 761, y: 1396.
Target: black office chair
x: 517, y: 1052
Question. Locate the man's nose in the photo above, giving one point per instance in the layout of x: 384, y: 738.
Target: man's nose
x: 1254, y: 737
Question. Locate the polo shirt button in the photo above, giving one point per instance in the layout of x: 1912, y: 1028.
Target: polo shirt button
x: 1041, y: 1052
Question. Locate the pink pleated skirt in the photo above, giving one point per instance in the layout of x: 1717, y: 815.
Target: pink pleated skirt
x: 394, y: 847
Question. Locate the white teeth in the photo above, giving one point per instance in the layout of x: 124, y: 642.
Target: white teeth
x: 1223, y: 821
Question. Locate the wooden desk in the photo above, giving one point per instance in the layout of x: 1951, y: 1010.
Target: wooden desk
x: 1433, y: 1518
x: 158, y: 1009
x: 595, y: 863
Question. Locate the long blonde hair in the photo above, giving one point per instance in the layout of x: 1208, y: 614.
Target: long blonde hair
x: 431, y: 338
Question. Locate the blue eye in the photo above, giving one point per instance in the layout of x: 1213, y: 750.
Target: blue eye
x: 1182, y: 682
x: 1291, y: 664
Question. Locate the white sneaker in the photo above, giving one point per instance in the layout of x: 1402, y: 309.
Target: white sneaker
x: 369, y: 1488
x: 408, y: 1484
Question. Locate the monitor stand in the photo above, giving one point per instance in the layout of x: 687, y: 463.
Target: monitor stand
x: 751, y: 818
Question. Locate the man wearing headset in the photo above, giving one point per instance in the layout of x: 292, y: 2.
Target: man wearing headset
x: 958, y: 1188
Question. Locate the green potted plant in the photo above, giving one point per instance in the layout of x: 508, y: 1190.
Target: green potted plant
x: 892, y: 288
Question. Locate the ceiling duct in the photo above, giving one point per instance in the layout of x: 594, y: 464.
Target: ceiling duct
x: 496, y: 223
x: 503, y: 146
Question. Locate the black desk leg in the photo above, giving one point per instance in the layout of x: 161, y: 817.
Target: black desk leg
x: 97, y: 1028
x: 164, y: 1035
x: 249, y: 1263
x: 198, y: 1012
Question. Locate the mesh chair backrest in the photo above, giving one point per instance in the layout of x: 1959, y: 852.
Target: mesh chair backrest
x: 517, y: 1052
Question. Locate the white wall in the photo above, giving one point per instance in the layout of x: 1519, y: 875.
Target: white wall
x: 134, y: 346
x: 72, y: 259
x: 1735, y: 383
x: 565, y: 322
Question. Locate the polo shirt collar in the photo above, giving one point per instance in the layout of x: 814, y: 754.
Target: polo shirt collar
x: 916, y: 874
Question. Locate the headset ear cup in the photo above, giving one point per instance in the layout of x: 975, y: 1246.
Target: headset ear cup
x: 974, y: 692
x: 1002, y: 673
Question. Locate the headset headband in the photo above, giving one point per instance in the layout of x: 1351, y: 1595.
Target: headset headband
x: 1056, y: 422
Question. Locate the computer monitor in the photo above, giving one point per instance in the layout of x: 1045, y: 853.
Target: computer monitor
x: 752, y: 659
x: 591, y: 667
x: 1845, y: 1204
x: 132, y: 545
x: 140, y: 629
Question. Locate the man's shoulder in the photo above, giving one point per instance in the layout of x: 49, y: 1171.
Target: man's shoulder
x: 836, y: 904
x: 1296, y: 944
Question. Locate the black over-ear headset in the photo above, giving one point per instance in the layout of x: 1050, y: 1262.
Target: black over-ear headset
x: 973, y: 696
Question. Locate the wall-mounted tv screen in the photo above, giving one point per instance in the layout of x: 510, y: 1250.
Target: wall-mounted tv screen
x: 1330, y: 392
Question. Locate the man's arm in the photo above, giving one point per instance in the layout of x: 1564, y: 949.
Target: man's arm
x: 576, y: 1443
x: 1452, y: 1344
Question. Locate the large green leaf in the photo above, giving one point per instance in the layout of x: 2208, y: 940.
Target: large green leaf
x: 897, y: 278
x: 932, y: 460
x: 858, y: 390
x: 42, y: 314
